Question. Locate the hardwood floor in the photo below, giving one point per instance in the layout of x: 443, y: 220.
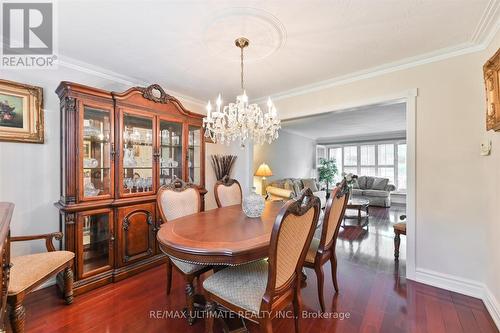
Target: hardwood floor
x: 373, y: 293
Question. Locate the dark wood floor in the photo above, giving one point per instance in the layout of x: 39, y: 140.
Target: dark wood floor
x: 373, y: 291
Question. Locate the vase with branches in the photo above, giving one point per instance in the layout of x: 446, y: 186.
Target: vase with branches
x: 222, y: 165
x: 327, y: 170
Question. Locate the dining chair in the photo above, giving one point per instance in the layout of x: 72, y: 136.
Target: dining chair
x: 258, y: 290
x: 227, y: 192
x: 176, y: 200
x: 30, y: 271
x: 323, y: 249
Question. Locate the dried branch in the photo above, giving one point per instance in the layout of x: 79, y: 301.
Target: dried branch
x: 222, y: 165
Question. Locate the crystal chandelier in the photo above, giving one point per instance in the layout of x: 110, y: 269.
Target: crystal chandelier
x: 241, y: 120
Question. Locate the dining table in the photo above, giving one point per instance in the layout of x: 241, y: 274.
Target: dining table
x: 223, y: 236
x: 220, y: 237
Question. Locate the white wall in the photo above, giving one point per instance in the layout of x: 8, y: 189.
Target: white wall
x: 290, y: 155
x: 29, y: 173
x: 457, y: 191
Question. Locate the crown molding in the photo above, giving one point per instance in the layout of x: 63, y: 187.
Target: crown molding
x: 486, y: 24
x: 126, y: 80
x: 481, y: 38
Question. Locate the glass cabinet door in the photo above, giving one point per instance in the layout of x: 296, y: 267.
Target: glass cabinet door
x: 194, y: 155
x: 96, y: 149
x: 137, y: 155
x: 95, y: 237
x: 171, y: 158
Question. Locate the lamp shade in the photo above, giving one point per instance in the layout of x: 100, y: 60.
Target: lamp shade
x: 264, y: 171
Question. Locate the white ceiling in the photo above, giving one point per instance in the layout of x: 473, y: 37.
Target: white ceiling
x: 187, y: 46
x: 363, y: 122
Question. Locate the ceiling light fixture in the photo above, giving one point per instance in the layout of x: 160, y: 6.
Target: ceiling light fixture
x: 241, y: 120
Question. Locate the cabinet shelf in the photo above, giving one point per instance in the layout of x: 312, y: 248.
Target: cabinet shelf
x: 138, y: 168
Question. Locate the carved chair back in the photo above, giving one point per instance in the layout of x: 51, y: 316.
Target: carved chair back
x: 228, y: 192
x: 178, y: 199
x: 291, y: 236
x: 334, y: 214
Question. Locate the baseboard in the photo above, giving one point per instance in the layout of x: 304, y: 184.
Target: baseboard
x: 492, y: 305
x: 450, y: 282
x: 462, y: 286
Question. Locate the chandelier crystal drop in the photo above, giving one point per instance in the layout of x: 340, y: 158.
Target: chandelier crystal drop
x: 241, y: 120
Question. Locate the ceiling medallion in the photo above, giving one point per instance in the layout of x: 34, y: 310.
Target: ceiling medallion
x: 241, y: 120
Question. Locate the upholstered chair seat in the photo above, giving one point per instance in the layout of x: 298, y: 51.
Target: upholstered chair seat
x: 242, y: 285
x: 227, y: 192
x: 27, y: 270
x: 313, y: 249
x: 186, y: 267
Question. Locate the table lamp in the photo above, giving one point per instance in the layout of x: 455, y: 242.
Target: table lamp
x: 263, y: 171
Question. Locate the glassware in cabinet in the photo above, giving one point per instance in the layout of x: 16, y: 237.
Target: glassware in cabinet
x: 137, y: 155
x: 171, y: 151
x: 194, y: 155
x: 96, y: 172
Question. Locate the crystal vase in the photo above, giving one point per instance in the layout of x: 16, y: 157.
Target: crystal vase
x: 253, y: 204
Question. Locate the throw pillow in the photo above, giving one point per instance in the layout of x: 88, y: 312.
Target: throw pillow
x: 288, y: 185
x: 369, y: 182
x: 380, y: 183
x: 362, y: 182
x: 310, y: 183
x: 355, y: 184
x: 297, y: 186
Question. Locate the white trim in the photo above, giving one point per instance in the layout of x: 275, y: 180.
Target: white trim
x: 486, y: 24
x: 449, y: 282
x: 462, y: 286
x: 129, y: 81
x: 492, y: 305
x: 411, y: 183
x: 406, y: 63
x: 481, y: 38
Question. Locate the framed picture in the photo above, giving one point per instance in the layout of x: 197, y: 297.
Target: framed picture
x: 21, y: 112
x: 491, y: 80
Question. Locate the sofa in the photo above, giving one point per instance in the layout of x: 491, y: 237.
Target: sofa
x: 288, y: 188
x: 375, y: 189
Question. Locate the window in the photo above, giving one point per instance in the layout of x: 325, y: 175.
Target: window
x: 386, y: 154
x: 376, y: 159
x: 368, y: 155
x: 351, y: 155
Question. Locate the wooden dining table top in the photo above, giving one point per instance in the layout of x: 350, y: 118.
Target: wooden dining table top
x: 223, y: 236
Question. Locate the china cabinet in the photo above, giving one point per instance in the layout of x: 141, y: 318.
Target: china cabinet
x: 117, y: 150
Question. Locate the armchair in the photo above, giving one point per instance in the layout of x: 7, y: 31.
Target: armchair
x: 30, y: 271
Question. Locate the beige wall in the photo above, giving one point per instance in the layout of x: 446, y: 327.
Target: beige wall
x: 457, y: 221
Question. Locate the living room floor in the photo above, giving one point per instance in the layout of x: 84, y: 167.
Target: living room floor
x: 373, y: 293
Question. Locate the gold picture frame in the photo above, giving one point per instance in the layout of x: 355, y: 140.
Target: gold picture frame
x: 21, y: 112
x: 491, y: 71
